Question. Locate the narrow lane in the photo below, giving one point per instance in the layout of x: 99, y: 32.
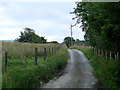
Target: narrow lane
x: 77, y: 74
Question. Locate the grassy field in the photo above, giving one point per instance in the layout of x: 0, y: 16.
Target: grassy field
x: 21, y: 70
x: 24, y: 49
x: 104, y: 69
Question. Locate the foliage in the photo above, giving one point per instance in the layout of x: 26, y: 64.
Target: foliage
x: 101, y: 23
x: 105, y: 70
x: 28, y: 75
x: 29, y: 36
x: 68, y: 41
x: 54, y: 42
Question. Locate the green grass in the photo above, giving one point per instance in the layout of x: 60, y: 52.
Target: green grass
x: 106, y: 70
x: 21, y: 75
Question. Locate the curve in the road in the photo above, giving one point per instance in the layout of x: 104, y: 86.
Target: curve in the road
x: 78, y: 73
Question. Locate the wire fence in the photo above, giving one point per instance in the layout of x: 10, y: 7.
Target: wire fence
x: 100, y: 52
x: 47, y: 52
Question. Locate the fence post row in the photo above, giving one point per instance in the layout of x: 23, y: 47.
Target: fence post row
x: 107, y: 53
x: 45, y: 53
x: 35, y: 57
x: 36, y: 52
x: 6, y: 61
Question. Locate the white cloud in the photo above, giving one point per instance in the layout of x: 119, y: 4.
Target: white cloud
x: 9, y: 33
x: 1, y: 13
x: 50, y: 21
x: 51, y: 30
x: 7, y: 23
x: 46, y: 24
x: 1, y: 9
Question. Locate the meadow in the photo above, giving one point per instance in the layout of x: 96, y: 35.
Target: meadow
x: 106, y: 70
x: 24, y: 49
x: 21, y: 69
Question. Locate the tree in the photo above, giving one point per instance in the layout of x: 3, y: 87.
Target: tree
x: 54, y: 42
x: 68, y: 41
x: 29, y: 36
x: 100, y: 23
x: 77, y: 40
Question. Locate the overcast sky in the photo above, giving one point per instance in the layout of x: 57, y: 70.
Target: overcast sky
x: 49, y: 19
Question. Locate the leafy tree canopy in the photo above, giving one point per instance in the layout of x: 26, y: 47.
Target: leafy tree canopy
x: 29, y: 36
x: 54, y: 42
x: 101, y: 23
x: 68, y: 41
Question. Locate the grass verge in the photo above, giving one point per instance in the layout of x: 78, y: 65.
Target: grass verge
x: 104, y: 69
x: 29, y: 75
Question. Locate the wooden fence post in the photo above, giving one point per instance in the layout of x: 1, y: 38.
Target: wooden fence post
x: 6, y: 61
x: 58, y: 48
x: 112, y: 54
x: 36, y: 52
x: 108, y: 54
x: 100, y: 52
x: 45, y: 54
x: 52, y: 50
x: 116, y: 55
x: 49, y: 51
x: 97, y: 51
x: 104, y: 53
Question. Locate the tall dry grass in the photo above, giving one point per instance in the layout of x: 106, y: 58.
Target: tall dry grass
x: 17, y: 49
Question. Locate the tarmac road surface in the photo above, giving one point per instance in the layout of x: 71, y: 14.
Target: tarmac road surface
x: 77, y: 74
